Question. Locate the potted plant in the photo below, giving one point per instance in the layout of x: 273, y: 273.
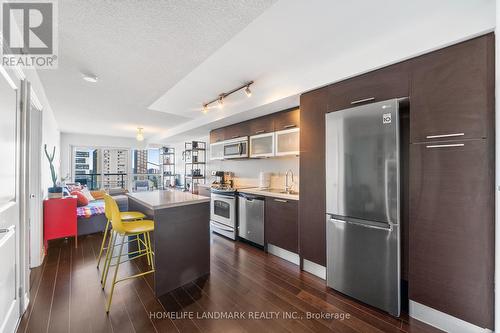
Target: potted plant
x: 54, y: 191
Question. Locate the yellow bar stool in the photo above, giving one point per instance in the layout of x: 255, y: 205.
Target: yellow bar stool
x: 119, y: 229
x: 125, y: 216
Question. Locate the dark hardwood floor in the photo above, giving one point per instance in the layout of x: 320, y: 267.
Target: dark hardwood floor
x: 66, y: 297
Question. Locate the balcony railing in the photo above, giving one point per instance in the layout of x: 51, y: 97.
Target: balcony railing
x: 96, y: 181
x: 137, y: 181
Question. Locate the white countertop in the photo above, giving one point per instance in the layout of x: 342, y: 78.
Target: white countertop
x: 167, y: 198
x: 275, y: 193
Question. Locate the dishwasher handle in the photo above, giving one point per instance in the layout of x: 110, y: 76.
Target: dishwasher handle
x: 250, y: 197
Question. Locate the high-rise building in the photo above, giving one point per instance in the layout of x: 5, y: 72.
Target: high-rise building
x: 140, y: 161
x: 115, y: 162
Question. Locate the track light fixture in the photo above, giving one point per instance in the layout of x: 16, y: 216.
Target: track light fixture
x: 221, y: 97
x: 248, y: 91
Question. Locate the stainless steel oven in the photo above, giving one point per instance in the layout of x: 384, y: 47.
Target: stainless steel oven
x: 223, y: 213
x: 236, y: 148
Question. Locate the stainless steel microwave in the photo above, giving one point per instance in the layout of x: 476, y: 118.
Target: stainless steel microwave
x: 236, y: 148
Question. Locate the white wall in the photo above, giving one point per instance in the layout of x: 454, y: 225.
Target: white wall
x: 50, y: 129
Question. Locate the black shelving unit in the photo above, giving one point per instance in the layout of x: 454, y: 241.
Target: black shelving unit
x: 195, y: 165
x: 167, y: 166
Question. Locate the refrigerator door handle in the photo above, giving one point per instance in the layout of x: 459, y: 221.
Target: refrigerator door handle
x: 369, y: 226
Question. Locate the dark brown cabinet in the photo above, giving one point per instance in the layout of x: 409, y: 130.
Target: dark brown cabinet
x: 286, y: 119
x: 261, y: 125
x: 383, y: 84
x: 274, y: 122
x: 452, y: 92
x: 217, y: 135
x: 281, y: 223
x: 236, y: 130
x: 451, y: 260
x: 312, y: 205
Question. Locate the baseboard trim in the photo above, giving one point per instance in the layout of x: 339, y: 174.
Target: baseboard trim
x: 283, y: 254
x: 442, y: 320
x: 314, y: 268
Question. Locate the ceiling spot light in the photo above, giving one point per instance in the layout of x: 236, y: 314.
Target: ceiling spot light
x: 140, y: 135
x: 90, y: 78
x: 221, y: 97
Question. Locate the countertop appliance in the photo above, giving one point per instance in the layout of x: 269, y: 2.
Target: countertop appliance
x: 363, y: 203
x: 223, y: 178
x: 236, y: 148
x: 223, y: 211
x: 251, y: 218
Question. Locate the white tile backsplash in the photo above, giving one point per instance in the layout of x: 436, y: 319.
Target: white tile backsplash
x: 247, y: 171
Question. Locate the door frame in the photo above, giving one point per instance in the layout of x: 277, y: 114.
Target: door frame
x: 35, y: 233
x: 18, y: 306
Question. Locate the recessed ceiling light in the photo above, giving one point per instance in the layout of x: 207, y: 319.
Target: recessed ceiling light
x: 90, y: 78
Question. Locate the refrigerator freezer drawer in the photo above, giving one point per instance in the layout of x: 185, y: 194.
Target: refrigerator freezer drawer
x: 363, y: 262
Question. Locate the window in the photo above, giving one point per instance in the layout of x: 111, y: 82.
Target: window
x: 86, y: 167
x: 146, y: 169
x: 101, y: 168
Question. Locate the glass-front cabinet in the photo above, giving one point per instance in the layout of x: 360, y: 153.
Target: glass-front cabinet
x: 262, y: 145
x: 217, y: 151
x: 287, y: 142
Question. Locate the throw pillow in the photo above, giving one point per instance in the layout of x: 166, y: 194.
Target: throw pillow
x: 81, y: 200
x: 87, y: 194
x: 98, y: 194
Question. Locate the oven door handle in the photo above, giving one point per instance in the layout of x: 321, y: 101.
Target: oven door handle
x: 219, y: 196
x: 220, y: 226
x: 240, y: 148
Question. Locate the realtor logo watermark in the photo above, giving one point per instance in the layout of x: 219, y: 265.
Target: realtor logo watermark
x: 29, y: 34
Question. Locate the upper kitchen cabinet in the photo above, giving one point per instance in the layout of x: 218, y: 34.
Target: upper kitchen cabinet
x: 452, y: 92
x: 237, y: 130
x: 287, y: 142
x: 217, y: 135
x: 286, y: 119
x: 380, y: 85
x: 287, y: 132
x: 262, y: 145
x: 261, y: 125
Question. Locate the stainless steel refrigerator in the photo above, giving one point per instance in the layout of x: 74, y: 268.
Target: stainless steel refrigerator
x: 363, y: 203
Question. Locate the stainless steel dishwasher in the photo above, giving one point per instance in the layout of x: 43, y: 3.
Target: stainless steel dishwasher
x: 251, y: 218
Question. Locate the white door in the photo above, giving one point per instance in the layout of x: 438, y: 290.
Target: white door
x: 10, y: 198
x: 33, y: 178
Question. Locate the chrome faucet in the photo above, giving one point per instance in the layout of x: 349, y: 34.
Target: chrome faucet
x: 288, y: 188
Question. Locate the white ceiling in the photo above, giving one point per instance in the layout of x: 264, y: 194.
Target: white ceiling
x: 187, y: 52
x: 139, y: 50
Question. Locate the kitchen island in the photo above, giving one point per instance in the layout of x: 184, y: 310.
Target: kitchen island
x: 181, y: 239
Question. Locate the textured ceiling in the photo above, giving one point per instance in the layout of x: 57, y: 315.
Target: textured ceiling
x: 139, y: 50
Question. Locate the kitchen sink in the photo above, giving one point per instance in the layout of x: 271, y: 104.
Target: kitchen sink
x: 282, y: 191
